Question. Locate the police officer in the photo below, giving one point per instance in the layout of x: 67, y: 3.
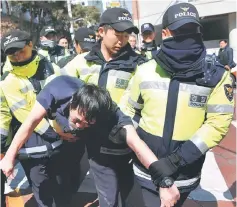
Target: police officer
x: 18, y: 90
x: 88, y: 113
x: 48, y: 45
x: 110, y: 64
x: 179, y: 81
x: 84, y: 40
x: 149, y: 46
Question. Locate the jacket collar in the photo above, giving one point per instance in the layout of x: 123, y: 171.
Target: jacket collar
x: 27, y: 68
x: 126, y: 56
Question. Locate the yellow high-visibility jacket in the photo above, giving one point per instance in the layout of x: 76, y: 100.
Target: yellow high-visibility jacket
x: 113, y: 75
x: 57, y: 55
x: 18, y: 94
x: 182, y: 117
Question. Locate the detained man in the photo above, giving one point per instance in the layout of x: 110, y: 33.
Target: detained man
x: 87, y: 112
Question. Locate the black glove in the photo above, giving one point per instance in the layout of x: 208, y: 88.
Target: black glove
x: 164, y: 167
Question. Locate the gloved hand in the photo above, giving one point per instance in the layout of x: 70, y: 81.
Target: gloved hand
x: 164, y: 167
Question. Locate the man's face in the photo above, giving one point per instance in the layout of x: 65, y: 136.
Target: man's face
x: 21, y: 55
x: 113, y: 40
x: 148, y: 36
x: 132, y: 41
x: 222, y: 44
x: 97, y: 36
x: 77, y: 120
x: 63, y: 42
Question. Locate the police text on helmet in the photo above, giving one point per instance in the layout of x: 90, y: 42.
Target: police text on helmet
x: 89, y: 39
x: 10, y: 40
x: 125, y: 17
x: 185, y: 13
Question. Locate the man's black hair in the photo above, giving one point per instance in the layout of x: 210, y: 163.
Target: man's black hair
x: 107, y: 27
x: 63, y: 37
x: 223, y: 41
x: 93, y: 102
x: 83, y: 50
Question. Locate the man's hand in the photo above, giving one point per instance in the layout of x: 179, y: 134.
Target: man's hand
x: 169, y: 196
x: 227, y: 67
x: 68, y: 137
x: 7, y: 166
x: 74, y: 139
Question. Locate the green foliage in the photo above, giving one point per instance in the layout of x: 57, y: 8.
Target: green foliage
x: 89, y: 14
x: 58, y: 12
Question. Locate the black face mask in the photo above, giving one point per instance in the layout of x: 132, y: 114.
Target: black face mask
x: 149, y: 46
x: 183, y: 55
x: 48, y: 44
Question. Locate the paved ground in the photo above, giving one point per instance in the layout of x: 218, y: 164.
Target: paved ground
x: 217, y: 188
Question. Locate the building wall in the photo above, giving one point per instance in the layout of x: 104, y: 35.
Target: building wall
x: 209, y: 11
x: 233, y: 34
x: 153, y: 10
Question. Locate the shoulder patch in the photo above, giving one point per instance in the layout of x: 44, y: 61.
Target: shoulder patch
x: 229, y: 92
x: 213, y: 73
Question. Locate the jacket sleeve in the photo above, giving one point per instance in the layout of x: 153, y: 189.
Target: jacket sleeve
x: 72, y: 68
x: 219, y: 114
x: 56, y: 69
x: 121, y: 118
x: 131, y: 102
x: 5, y: 121
x: 218, y: 56
x: 230, y: 58
x: 21, y: 105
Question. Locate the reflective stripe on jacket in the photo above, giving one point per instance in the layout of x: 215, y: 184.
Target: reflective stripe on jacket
x: 18, y: 94
x: 198, y: 117
x: 113, y: 75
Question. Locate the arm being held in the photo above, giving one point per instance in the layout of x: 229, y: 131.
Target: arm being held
x: 149, y: 160
x: 142, y: 151
x: 124, y: 131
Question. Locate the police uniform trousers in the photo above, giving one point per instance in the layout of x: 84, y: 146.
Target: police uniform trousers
x: 114, y: 179
x: 74, y: 167
x: 44, y: 174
